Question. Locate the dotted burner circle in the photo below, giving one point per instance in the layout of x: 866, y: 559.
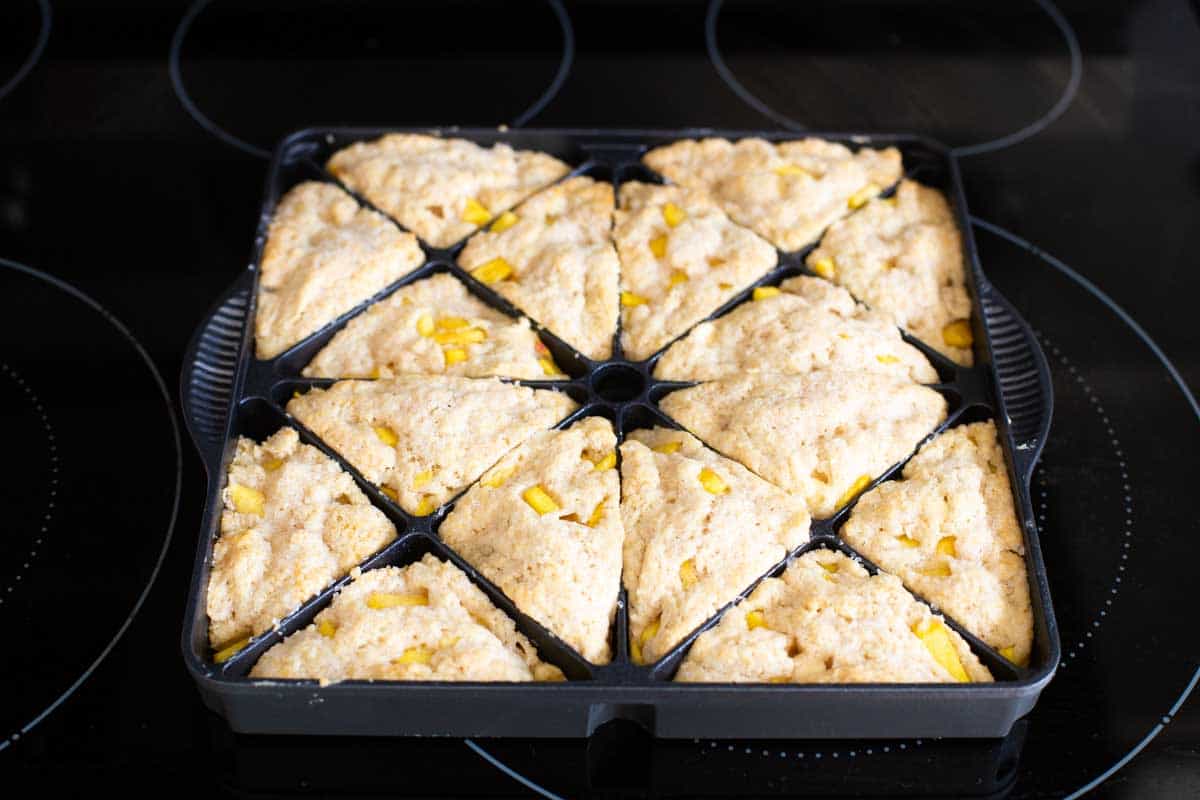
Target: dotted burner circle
x: 32, y: 442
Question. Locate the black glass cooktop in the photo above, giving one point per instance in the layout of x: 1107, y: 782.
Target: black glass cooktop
x: 133, y: 137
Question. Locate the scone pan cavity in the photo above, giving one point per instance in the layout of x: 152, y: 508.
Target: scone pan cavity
x: 627, y: 393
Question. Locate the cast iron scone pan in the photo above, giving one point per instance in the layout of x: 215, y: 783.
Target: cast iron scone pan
x: 228, y: 393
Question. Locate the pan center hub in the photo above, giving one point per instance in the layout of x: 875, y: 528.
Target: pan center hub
x: 618, y: 382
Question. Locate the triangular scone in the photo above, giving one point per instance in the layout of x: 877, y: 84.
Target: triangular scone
x: 324, y: 255
x: 827, y: 620
x: 434, y: 327
x: 699, y: 529
x: 544, y: 525
x: 423, y: 622
x: 424, y: 438
x: 787, y: 192
x: 293, y: 522
x: 681, y: 258
x: 805, y: 325
x: 903, y: 256
x: 823, y: 436
x: 442, y: 189
x: 553, y: 258
x: 950, y: 531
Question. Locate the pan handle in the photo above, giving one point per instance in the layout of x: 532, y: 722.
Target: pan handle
x: 1022, y: 377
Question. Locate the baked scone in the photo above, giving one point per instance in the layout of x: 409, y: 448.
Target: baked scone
x: 324, y: 255
x: 826, y: 620
x: 424, y: 438
x: 804, y: 325
x: 553, y: 258
x: 787, y: 192
x: 434, y: 327
x: 823, y: 436
x: 681, y: 258
x: 543, y: 524
x: 442, y: 189
x: 903, y: 256
x: 949, y: 530
x: 293, y: 522
x: 422, y: 622
x: 699, y: 529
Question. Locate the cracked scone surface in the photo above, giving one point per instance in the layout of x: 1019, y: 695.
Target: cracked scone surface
x: 692, y: 544
x: 324, y: 255
x: 903, y: 256
x: 787, y: 192
x: 827, y: 620
x: 809, y: 325
x: 560, y: 562
x: 424, y: 438
x: 442, y: 189
x: 554, y: 260
x: 422, y: 622
x: 822, y: 436
x: 681, y: 258
x: 293, y: 522
x: 435, y: 327
x: 949, y: 531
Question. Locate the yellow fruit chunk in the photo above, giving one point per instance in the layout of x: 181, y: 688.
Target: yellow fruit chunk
x: 755, y: 619
x: 1010, y: 653
x: 673, y: 214
x: 658, y: 246
x: 549, y: 367
x: 425, y: 507
x: 540, y: 348
x: 272, y: 464
x: 714, y: 261
x: 539, y: 500
x: 504, y: 222
x: 381, y: 600
x: 780, y: 679
x: 687, y: 574
x: 668, y: 447
x: 386, y: 435
x: 937, y: 641
x: 597, y: 515
x: 678, y: 276
x: 425, y: 325
x: 763, y: 292
x: 228, y: 652
x: 454, y: 355
x: 937, y: 571
x: 422, y: 478
x: 391, y: 493
x: 608, y: 462
x: 635, y: 645
x: 829, y: 566
x: 498, y: 477
x: 855, y: 488
x: 712, y: 482
x: 958, y: 334
x: 860, y: 198
x: 725, y: 287
x: 246, y: 500
x: 824, y: 267
x: 551, y: 219
x: 629, y: 299
x: 452, y: 323
x: 887, y: 359
x: 907, y: 541
x: 495, y: 270
x: 415, y: 655
x: 790, y: 170
x: 375, y: 373
x: 463, y: 336
x: 945, y: 546
x: 475, y: 212
x: 326, y: 628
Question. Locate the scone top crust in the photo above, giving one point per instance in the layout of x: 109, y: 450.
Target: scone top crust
x: 827, y: 620
x: 442, y: 189
x: 425, y: 621
x: 824, y: 435
x: 699, y: 529
x: 434, y: 327
x: 808, y: 325
x: 681, y: 258
x: 553, y: 258
x: 950, y: 531
x: 787, y: 192
x: 324, y: 255
x: 543, y: 524
x: 903, y: 256
x: 293, y: 522
x: 424, y: 438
